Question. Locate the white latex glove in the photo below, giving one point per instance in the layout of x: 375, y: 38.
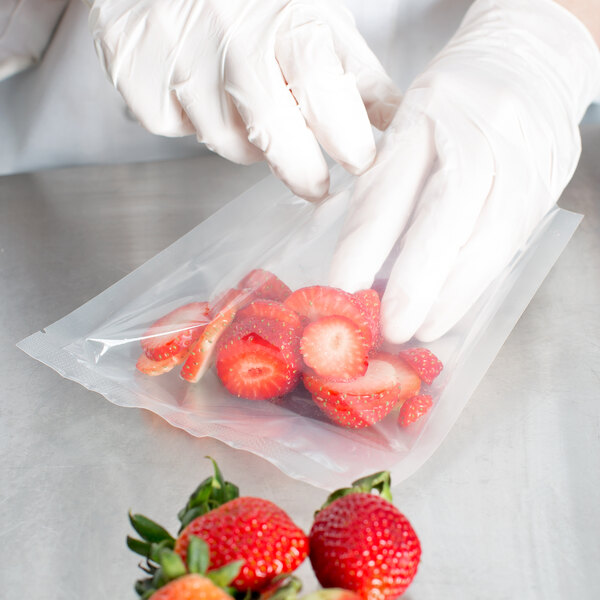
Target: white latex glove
x: 253, y: 79
x: 480, y: 149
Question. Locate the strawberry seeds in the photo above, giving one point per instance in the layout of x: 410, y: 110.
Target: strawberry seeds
x: 264, y: 339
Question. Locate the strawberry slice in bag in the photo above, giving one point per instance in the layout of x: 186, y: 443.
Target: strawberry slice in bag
x: 176, y: 331
x: 368, y: 399
x: 202, y: 352
x: 159, y: 367
x: 265, y: 285
x: 259, y: 359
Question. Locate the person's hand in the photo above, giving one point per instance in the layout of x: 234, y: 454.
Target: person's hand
x: 253, y: 79
x: 480, y: 149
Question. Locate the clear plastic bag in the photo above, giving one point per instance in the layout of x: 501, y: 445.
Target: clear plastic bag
x: 268, y: 228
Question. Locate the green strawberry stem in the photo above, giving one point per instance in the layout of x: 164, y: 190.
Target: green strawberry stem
x: 165, y: 565
x: 225, y: 575
x: 288, y: 588
x: 198, y: 557
x: 138, y: 546
x: 149, y: 530
x: 210, y: 494
x: 171, y: 564
x: 380, y: 482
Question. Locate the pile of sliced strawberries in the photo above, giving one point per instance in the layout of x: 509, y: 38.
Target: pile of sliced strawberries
x: 264, y: 338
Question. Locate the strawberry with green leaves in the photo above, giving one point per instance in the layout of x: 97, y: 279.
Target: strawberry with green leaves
x: 361, y: 542
x: 169, y: 578
x: 251, y: 532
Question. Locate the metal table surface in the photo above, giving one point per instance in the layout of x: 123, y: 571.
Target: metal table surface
x: 508, y: 507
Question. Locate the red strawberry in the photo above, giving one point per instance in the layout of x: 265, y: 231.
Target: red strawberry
x: 368, y: 399
x: 371, y: 306
x: 191, y: 587
x: 363, y: 543
x: 158, y: 367
x: 410, y: 383
x: 269, y: 332
x: 318, y: 301
x: 246, y: 542
x: 414, y: 408
x: 263, y: 284
x: 176, y: 331
x: 358, y: 403
x: 255, y: 369
x: 201, y: 353
x: 424, y: 362
x: 253, y: 530
x: 334, y: 348
x: 270, y: 309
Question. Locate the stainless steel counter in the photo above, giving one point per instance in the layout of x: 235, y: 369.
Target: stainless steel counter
x: 509, y: 506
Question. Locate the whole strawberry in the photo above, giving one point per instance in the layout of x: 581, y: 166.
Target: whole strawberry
x: 250, y: 532
x: 169, y: 578
x: 190, y: 586
x: 253, y: 530
x: 361, y: 542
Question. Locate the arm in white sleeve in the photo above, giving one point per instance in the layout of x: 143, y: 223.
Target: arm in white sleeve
x: 26, y: 27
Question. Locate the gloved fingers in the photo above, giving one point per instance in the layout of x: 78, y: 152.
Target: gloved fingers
x: 119, y: 42
x: 468, y: 280
x: 274, y: 122
x: 379, y: 94
x: 216, y: 121
x: 513, y: 210
x: 382, y: 203
x: 443, y: 221
x: 327, y: 97
x: 153, y: 106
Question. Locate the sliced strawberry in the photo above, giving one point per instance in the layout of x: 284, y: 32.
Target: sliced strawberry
x: 176, y: 331
x: 368, y: 399
x: 201, y: 353
x: 409, y: 381
x: 380, y: 377
x: 318, y: 301
x: 265, y: 285
x: 158, y: 367
x: 270, y: 309
x: 359, y: 403
x: 254, y: 369
x: 371, y: 306
x: 424, y: 362
x: 414, y: 408
x: 270, y: 332
x: 334, y: 348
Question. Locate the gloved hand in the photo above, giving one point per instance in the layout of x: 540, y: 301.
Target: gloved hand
x: 253, y: 79
x: 480, y: 149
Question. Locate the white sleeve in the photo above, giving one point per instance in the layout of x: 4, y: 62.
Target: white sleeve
x: 26, y: 27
